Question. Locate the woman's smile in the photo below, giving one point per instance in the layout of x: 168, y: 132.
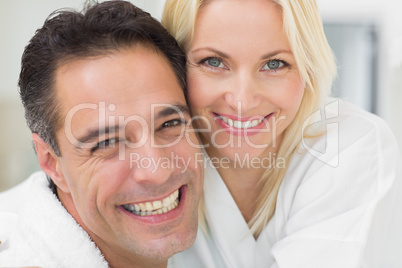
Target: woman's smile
x: 235, y: 125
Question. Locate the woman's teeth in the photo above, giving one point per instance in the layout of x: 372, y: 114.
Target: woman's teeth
x: 155, y: 207
x: 242, y: 125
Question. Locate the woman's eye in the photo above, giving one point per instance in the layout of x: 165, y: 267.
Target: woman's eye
x: 214, y: 62
x: 273, y: 65
x: 105, y: 144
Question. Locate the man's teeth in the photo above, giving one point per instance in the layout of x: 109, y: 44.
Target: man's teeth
x: 239, y: 124
x: 155, y: 207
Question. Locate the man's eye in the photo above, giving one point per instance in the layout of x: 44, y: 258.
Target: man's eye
x: 214, y: 62
x: 273, y: 65
x: 105, y: 144
x: 173, y: 123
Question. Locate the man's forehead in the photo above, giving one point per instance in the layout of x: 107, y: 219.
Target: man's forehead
x: 120, y: 81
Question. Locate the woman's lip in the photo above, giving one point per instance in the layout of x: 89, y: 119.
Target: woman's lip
x: 241, y: 119
x: 160, y: 218
x: 243, y: 131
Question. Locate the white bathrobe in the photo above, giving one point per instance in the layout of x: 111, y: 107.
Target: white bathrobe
x: 337, y: 206
x: 36, y: 230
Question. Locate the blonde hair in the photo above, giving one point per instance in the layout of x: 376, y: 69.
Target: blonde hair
x: 304, y: 29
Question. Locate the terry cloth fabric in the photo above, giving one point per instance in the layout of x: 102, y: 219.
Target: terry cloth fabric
x: 36, y: 230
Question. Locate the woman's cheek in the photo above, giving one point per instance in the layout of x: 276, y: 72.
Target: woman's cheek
x: 289, y: 95
x: 197, y: 93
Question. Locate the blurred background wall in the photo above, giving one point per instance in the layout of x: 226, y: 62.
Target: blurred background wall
x: 366, y: 36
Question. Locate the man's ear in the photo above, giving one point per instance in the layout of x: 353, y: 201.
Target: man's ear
x: 50, y: 162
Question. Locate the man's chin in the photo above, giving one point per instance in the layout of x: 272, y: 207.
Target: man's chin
x: 166, y: 247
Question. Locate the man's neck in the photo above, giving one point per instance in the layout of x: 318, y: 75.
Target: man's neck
x: 124, y: 264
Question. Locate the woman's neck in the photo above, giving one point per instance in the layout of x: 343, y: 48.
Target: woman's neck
x: 242, y: 179
x: 243, y: 186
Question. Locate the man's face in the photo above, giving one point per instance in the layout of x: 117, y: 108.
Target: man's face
x: 126, y: 154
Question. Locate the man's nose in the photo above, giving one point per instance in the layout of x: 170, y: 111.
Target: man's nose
x: 151, y: 164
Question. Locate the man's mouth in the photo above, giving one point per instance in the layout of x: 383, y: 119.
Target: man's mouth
x: 155, y: 207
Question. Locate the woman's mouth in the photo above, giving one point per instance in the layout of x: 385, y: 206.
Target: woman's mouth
x: 240, y: 126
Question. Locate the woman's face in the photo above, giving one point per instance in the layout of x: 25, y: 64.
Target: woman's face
x: 244, y: 84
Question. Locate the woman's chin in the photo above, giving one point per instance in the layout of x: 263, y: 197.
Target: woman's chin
x: 244, y: 157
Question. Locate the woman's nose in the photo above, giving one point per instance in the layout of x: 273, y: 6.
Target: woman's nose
x: 243, y: 93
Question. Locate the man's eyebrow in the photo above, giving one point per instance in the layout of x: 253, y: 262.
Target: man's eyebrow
x: 95, y: 133
x: 173, y: 109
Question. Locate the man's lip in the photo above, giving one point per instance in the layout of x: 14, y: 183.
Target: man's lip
x: 160, y: 218
x: 155, y: 199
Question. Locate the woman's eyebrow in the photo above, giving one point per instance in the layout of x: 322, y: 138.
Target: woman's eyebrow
x: 226, y: 56
x: 210, y: 49
x: 276, y: 52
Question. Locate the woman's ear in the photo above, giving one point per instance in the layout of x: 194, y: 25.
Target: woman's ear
x: 50, y: 163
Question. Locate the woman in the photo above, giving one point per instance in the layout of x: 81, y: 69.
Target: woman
x: 286, y: 185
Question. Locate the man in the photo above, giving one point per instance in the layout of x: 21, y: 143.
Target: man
x: 103, y: 93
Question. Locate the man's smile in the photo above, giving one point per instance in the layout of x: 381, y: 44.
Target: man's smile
x: 155, y: 207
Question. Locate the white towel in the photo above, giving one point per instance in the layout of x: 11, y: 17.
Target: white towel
x: 38, y: 231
